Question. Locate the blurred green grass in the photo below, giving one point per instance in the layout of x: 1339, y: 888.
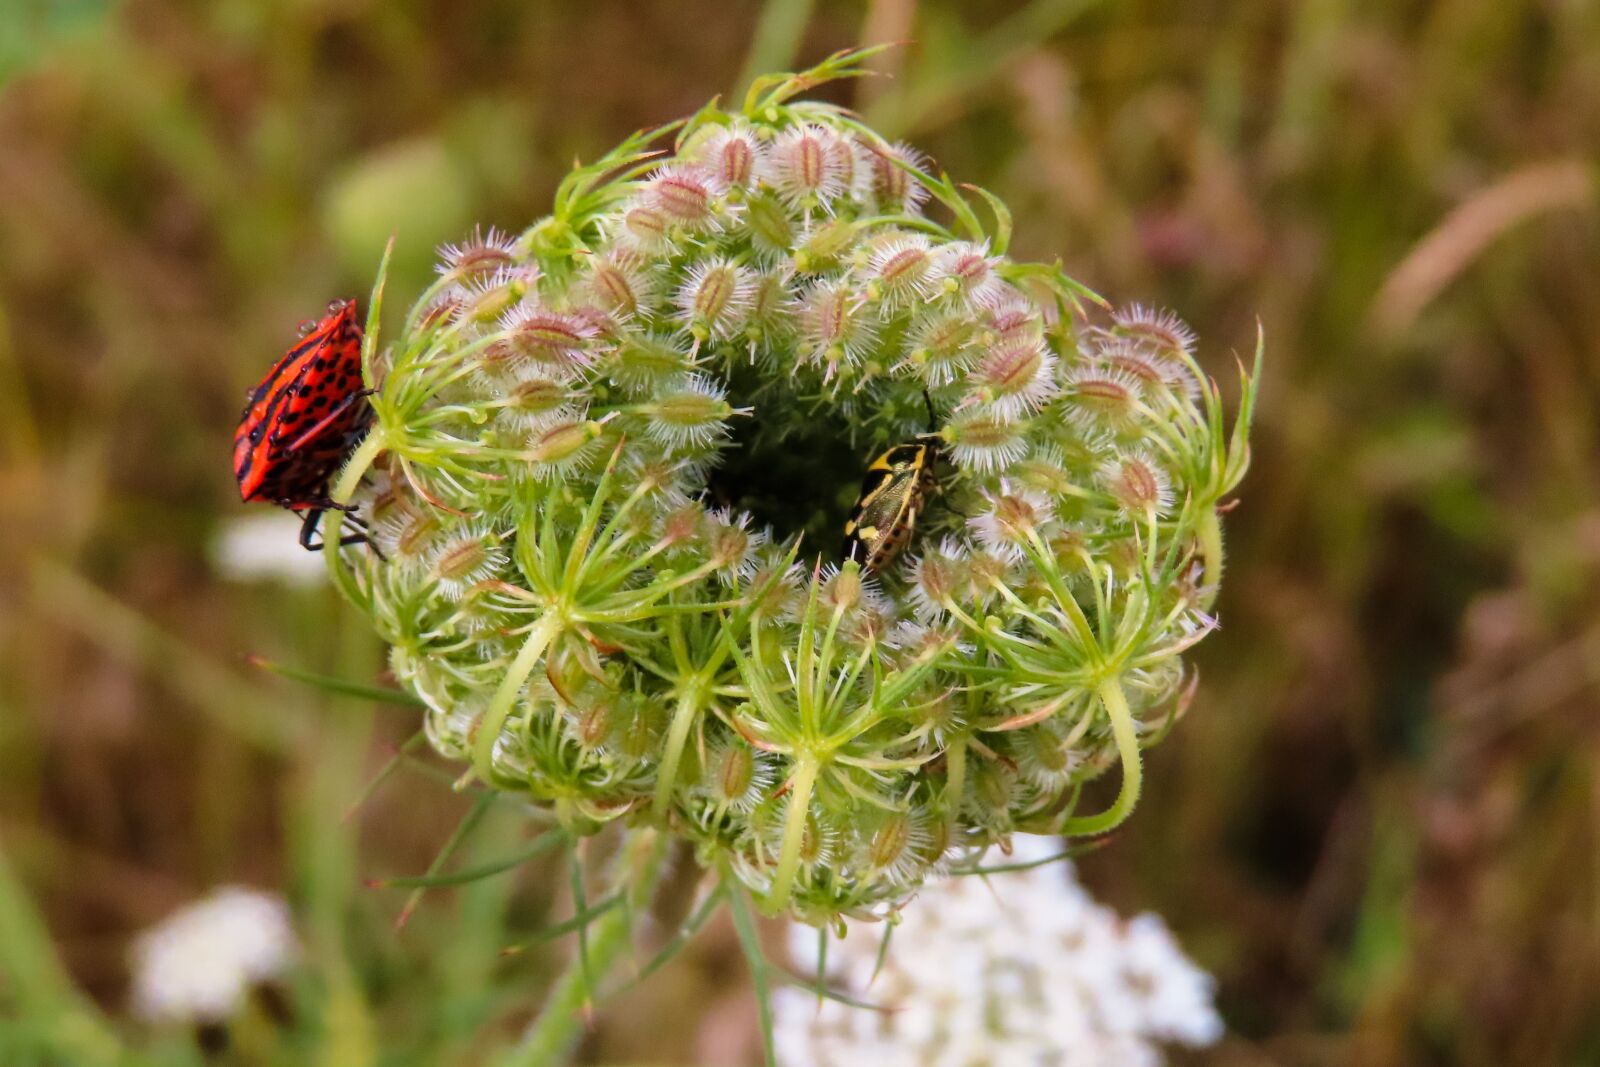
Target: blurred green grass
x: 1377, y: 824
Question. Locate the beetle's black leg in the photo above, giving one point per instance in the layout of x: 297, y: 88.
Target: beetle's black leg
x: 308, y: 529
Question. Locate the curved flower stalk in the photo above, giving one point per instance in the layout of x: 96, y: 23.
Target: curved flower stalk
x: 613, y: 455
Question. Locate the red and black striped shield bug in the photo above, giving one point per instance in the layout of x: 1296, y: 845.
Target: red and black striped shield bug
x: 302, y: 421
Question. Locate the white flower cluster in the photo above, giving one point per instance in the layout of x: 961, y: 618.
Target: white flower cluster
x: 198, y: 964
x: 265, y: 548
x: 1011, y: 970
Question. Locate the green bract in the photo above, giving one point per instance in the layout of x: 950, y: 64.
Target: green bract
x: 613, y: 457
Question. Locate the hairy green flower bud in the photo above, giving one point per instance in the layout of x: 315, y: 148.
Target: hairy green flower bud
x: 613, y: 459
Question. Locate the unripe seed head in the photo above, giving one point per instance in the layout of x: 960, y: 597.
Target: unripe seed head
x: 1138, y: 484
x: 686, y: 195
x: 564, y: 466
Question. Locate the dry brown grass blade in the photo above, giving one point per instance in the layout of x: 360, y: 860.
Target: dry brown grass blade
x: 1467, y: 231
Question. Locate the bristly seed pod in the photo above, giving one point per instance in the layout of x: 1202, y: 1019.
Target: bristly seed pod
x: 617, y: 453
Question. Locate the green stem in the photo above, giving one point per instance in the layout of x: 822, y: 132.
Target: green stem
x: 1127, y: 738
x: 550, y: 1041
x: 494, y: 717
x: 353, y: 471
x: 40, y: 987
x: 333, y: 521
x: 690, y: 701
x: 794, y: 832
x: 1211, y: 551
x: 955, y: 778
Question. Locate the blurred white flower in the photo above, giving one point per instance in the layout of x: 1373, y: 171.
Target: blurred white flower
x: 1021, y: 969
x: 198, y: 964
x: 266, y: 547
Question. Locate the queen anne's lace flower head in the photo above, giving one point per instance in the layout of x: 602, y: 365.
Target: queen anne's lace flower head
x: 199, y: 964
x: 613, y: 459
x: 1016, y: 968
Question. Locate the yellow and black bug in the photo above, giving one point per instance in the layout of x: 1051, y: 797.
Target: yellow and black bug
x: 892, y: 495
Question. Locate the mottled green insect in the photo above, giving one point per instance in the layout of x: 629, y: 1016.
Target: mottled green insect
x: 892, y: 495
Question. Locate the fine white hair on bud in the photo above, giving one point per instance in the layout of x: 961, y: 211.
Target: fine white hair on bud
x: 900, y: 270
x: 463, y: 558
x: 943, y: 347
x: 1015, y: 378
x: 666, y: 479
x: 537, y: 403
x: 714, y: 299
x: 620, y: 281
x: 745, y: 499
x: 732, y: 154
x: 732, y: 545
x: 483, y: 254
x: 967, y: 271
x: 562, y: 446
x: 556, y: 343
x: 1047, y: 470
x: 1044, y: 758
x: 1159, y: 331
x: 1012, y: 519
x: 843, y: 588
x: 806, y: 166
x: 856, y: 164
x: 1145, y: 365
x: 938, y: 579
x: 1102, y: 398
x: 837, y: 329
x: 916, y: 639
x: 689, y: 412
x: 891, y: 167
x: 643, y: 227
x: 643, y: 361
x: 821, y: 839
x: 769, y: 327
x: 736, y: 777
x: 685, y: 194
x: 845, y: 591
x: 899, y: 846
x: 444, y: 310
x: 986, y: 441
x: 496, y: 367
x: 381, y: 497
x: 1015, y: 320
x: 1137, y: 483
x: 408, y: 533
x: 482, y: 299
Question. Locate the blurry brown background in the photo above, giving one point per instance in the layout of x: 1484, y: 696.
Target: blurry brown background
x: 1378, y: 825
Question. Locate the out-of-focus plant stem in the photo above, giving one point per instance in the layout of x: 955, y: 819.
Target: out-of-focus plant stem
x: 235, y: 705
x: 39, y: 985
x: 1210, y: 530
x: 778, y: 38
x: 549, y: 1042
